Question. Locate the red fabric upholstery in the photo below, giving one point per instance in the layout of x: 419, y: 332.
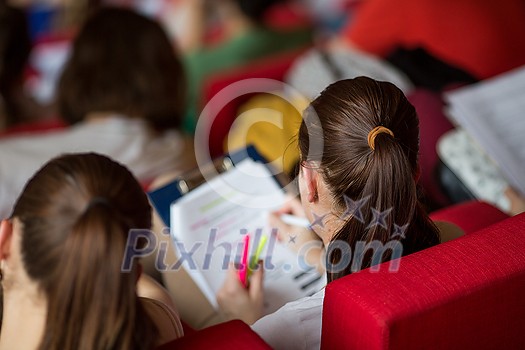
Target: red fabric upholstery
x: 287, y: 16
x: 463, y: 294
x: 227, y: 336
x: 461, y: 33
x: 284, y: 16
x: 187, y: 329
x: 34, y: 128
x: 470, y: 216
x: 272, y: 68
x: 432, y: 125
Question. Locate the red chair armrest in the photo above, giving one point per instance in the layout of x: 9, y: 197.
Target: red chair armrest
x: 470, y: 216
x: 34, y: 128
x: 462, y: 294
x: 230, y: 335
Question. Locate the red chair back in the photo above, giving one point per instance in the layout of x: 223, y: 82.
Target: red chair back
x: 463, y: 294
x: 432, y: 125
x: 274, y: 67
x: 227, y: 336
x: 470, y: 216
x: 34, y: 128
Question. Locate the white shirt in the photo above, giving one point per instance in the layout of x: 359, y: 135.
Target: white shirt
x: 128, y: 141
x: 297, y: 325
x: 310, y: 74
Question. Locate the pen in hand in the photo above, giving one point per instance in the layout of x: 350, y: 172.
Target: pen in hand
x: 243, y: 270
x: 255, y: 258
x: 295, y: 220
x: 247, y: 265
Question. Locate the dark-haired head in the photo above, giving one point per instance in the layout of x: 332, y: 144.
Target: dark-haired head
x: 15, y: 46
x: 361, y: 163
x: 123, y: 63
x: 255, y: 10
x: 75, y: 215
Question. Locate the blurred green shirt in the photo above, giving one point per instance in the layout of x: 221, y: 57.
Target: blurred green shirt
x: 255, y: 44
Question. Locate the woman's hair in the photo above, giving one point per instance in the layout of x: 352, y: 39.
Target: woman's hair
x: 377, y: 186
x: 255, y: 10
x: 76, y: 213
x: 15, y: 47
x: 124, y: 63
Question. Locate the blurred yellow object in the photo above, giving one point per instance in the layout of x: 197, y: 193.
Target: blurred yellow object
x: 270, y: 122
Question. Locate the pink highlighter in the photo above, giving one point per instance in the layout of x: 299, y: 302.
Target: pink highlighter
x: 243, y: 271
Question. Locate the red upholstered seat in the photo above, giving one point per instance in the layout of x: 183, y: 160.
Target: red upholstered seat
x: 274, y: 67
x: 227, y: 336
x: 34, y: 128
x: 287, y: 16
x: 432, y: 125
x: 470, y: 216
x: 484, y: 38
x: 463, y: 294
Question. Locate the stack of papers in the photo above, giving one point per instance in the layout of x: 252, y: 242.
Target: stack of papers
x: 493, y: 113
x: 211, y: 221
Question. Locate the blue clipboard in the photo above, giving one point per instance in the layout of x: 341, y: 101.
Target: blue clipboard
x: 163, y: 197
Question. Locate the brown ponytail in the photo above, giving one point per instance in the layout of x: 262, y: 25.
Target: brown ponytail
x: 381, y: 177
x: 76, y: 213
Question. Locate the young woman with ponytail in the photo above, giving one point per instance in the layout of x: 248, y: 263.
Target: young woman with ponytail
x: 359, y: 143
x: 61, y: 254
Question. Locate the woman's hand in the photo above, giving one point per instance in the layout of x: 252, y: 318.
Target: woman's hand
x: 238, y: 302
x: 299, y: 239
x: 293, y: 236
x: 517, y: 202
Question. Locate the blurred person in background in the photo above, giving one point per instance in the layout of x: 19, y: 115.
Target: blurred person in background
x: 246, y: 37
x: 123, y: 93
x: 441, y: 42
x: 16, y: 106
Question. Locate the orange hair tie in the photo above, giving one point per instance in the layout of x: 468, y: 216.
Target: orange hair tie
x: 376, y: 131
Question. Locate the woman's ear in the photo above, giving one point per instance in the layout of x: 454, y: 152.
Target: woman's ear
x: 6, y: 233
x: 310, y: 179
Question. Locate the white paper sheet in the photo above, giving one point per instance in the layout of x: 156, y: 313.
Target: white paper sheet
x: 493, y: 113
x: 250, y: 193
